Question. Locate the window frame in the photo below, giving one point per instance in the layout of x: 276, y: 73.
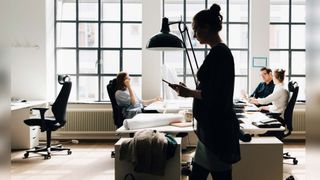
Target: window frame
x: 206, y: 49
x: 289, y: 50
x: 99, y: 48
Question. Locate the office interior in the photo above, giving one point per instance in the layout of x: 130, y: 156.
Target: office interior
x: 51, y: 37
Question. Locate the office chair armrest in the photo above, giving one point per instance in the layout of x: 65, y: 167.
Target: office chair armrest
x: 42, y: 111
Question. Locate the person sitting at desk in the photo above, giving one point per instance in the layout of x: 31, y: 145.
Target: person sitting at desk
x: 266, y: 87
x: 127, y: 99
x: 279, y: 97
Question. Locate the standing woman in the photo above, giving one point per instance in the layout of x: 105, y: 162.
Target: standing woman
x: 217, y: 125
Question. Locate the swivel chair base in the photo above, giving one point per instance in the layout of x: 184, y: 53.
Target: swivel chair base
x: 47, y: 151
x: 288, y: 156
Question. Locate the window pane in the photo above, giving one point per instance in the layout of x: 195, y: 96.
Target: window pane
x: 88, y: 35
x: 238, y: 36
x: 298, y: 11
x: 132, y: 61
x: 200, y: 58
x: 66, y: 10
x: 190, y: 82
x: 239, y: 12
x: 174, y: 59
x: 193, y: 7
x: 110, y: 10
x: 88, y: 10
x: 239, y: 85
x: 110, y: 62
x: 298, y: 40
x: 298, y: 63
x: 302, y: 87
x: 88, y: 61
x: 132, y: 35
x: 73, y: 93
x: 132, y: 10
x: 136, y: 85
x: 279, y: 36
x: 222, y: 4
x: 279, y: 59
x: 88, y: 88
x: 279, y: 11
x: 66, y: 34
x: 223, y: 33
x: 66, y: 61
x: 104, y: 82
x: 110, y: 35
x: 240, y: 62
x: 173, y: 9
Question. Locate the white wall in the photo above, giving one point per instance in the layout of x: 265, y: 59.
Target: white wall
x: 151, y: 60
x: 259, y: 38
x: 28, y: 57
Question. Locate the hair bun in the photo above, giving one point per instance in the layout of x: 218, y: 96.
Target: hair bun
x: 215, y: 9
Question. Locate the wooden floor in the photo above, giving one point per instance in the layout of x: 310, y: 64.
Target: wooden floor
x: 92, y: 161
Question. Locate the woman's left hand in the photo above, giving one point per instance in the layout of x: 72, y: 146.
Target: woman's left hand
x: 254, y: 101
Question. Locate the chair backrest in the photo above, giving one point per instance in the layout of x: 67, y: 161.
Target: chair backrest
x: 288, y: 112
x: 60, y: 104
x: 117, y: 111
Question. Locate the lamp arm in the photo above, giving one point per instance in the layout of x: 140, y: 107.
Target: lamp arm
x: 187, y: 53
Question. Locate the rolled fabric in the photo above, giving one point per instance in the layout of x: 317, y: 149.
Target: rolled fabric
x: 147, y: 120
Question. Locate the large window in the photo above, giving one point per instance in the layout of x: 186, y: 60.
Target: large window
x: 235, y: 33
x: 94, y: 40
x: 287, y: 40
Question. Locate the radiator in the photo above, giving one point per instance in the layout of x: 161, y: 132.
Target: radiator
x: 81, y: 121
x: 299, y: 120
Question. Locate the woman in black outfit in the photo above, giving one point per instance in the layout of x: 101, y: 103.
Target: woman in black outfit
x: 217, y: 125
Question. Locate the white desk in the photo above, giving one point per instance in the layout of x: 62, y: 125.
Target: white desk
x: 260, y: 159
x: 246, y: 126
x: 172, y: 170
x: 171, y: 106
x: 23, y: 136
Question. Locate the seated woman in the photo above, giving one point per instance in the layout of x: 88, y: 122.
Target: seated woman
x: 278, y: 98
x: 127, y: 99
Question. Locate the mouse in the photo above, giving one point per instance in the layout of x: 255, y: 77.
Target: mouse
x: 23, y: 100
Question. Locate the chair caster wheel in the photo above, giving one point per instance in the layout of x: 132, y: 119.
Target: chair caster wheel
x: 295, y: 162
x: 290, y: 178
x: 47, y: 156
x: 26, y: 155
x: 113, y: 154
x: 69, y: 152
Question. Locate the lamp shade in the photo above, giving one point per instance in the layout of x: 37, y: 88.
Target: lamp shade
x: 165, y: 40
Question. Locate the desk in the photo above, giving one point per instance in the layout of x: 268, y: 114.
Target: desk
x: 172, y: 171
x: 246, y: 126
x: 171, y: 106
x: 260, y: 159
x: 23, y: 136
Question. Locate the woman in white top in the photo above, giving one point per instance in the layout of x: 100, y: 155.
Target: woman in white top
x: 278, y: 98
x: 127, y: 98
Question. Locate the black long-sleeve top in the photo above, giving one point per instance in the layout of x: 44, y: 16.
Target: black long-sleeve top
x: 217, y: 125
x: 263, y: 90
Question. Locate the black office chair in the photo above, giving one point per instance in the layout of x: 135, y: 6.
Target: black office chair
x: 116, y: 110
x: 52, y: 124
x: 287, y: 120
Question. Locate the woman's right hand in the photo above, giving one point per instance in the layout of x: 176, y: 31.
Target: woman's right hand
x: 127, y: 83
x: 181, y: 89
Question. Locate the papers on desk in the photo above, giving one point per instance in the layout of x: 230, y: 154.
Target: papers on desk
x: 147, y: 120
x: 170, y: 106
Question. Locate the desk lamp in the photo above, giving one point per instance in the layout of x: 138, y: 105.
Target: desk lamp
x: 165, y: 41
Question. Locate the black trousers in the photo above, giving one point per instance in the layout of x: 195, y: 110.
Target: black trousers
x: 200, y: 173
